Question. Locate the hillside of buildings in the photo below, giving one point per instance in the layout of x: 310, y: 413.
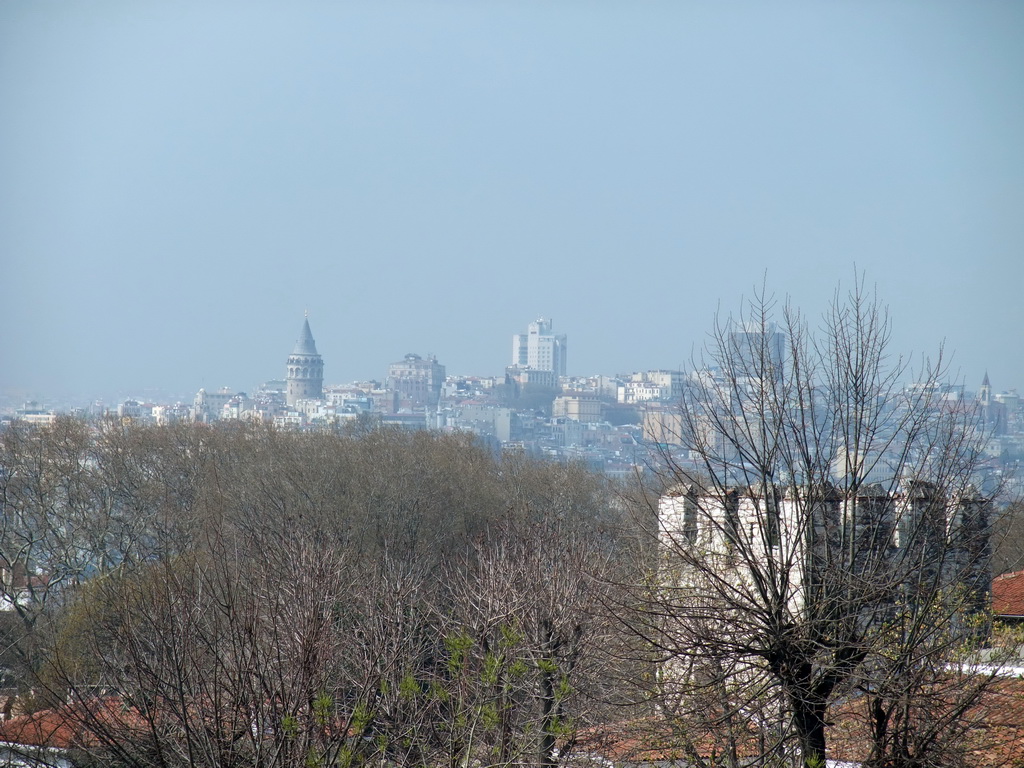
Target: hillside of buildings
x: 610, y: 423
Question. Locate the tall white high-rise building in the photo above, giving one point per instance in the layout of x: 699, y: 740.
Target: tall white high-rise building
x: 540, y: 349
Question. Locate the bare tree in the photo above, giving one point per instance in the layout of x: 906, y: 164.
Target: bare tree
x: 531, y: 645
x: 243, y: 596
x: 49, y: 502
x: 249, y: 652
x: 80, y: 500
x: 823, y: 524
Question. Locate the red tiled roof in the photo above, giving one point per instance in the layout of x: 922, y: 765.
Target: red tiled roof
x: 655, y: 739
x: 1008, y: 594
x: 993, y: 736
x: 48, y: 728
x: 67, y: 726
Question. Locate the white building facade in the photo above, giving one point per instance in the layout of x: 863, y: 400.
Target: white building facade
x: 540, y: 349
x: 909, y: 533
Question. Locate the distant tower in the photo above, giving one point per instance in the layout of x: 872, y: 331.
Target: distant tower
x: 756, y: 351
x: 989, y: 411
x: 985, y: 394
x: 540, y: 349
x: 305, y: 369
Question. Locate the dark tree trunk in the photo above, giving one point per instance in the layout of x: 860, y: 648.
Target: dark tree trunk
x: 809, y: 720
x: 548, y: 715
x: 809, y: 714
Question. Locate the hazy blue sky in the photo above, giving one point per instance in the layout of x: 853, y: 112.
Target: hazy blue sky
x: 180, y: 181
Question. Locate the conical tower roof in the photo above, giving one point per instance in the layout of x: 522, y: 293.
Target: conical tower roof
x: 305, y: 345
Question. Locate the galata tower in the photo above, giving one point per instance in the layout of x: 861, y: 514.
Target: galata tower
x: 305, y: 369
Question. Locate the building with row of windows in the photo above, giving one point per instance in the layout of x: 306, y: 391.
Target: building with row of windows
x: 540, y: 349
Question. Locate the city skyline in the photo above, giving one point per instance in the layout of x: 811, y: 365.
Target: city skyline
x: 310, y: 383
x: 178, y: 184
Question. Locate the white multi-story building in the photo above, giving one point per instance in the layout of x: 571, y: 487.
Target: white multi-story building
x: 583, y: 408
x: 133, y: 409
x: 31, y: 413
x: 417, y: 380
x: 540, y: 349
x: 886, y: 533
x: 652, y: 385
x: 207, y: 406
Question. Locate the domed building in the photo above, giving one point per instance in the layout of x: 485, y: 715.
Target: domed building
x: 305, y: 378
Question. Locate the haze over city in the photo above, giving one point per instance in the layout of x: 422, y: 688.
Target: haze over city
x: 180, y: 182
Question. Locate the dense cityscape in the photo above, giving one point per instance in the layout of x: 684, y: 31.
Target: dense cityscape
x: 608, y: 422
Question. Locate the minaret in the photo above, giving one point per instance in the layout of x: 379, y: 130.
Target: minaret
x: 305, y: 369
x: 985, y: 400
x: 985, y: 393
